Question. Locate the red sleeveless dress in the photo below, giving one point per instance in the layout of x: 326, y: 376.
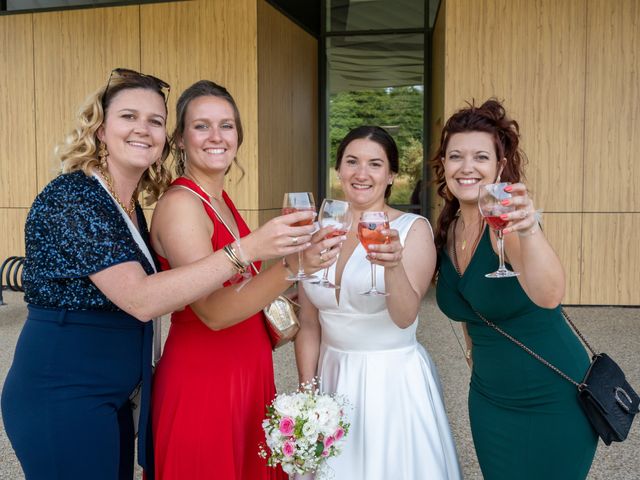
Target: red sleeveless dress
x: 210, y: 390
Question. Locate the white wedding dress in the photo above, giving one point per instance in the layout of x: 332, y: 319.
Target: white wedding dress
x: 399, y: 427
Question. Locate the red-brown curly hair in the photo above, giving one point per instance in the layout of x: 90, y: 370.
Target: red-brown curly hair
x: 490, y: 117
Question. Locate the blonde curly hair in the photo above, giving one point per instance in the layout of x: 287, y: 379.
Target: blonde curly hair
x: 79, y: 151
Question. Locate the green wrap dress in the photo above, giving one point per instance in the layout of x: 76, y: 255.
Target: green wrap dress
x: 526, y: 421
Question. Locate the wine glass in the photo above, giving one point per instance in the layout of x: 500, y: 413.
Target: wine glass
x: 369, y: 232
x: 336, y: 214
x: 489, y: 202
x: 298, y: 202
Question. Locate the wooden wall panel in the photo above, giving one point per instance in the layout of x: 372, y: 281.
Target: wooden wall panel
x: 184, y: 42
x: 18, y: 185
x: 611, y: 259
x: 303, y: 83
x: 288, y: 107
x: 563, y: 232
x: 74, y: 52
x: 531, y: 54
x: 12, y: 232
x: 612, y: 130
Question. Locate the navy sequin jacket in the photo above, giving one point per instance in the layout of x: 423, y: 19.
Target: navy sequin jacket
x: 74, y: 229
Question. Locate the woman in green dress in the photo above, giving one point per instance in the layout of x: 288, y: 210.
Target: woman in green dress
x: 525, y: 419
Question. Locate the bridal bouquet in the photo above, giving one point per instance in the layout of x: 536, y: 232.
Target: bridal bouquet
x: 303, y: 429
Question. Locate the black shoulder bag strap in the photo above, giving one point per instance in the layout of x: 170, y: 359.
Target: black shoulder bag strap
x: 454, y: 258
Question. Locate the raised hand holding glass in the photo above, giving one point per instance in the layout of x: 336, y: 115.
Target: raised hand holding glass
x: 370, y: 233
x: 490, y: 199
x: 336, y: 214
x: 298, y: 202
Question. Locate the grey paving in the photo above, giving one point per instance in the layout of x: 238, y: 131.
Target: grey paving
x: 613, y: 330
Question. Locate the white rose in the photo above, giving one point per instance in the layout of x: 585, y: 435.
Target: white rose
x: 286, y: 406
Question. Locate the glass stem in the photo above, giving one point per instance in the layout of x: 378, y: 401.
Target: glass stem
x: 373, y: 277
x: 300, y: 266
x: 500, y: 240
x: 325, y: 276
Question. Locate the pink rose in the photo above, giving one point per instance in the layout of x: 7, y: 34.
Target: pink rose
x: 288, y: 449
x: 325, y: 453
x: 339, y: 433
x: 286, y: 426
x: 328, y: 441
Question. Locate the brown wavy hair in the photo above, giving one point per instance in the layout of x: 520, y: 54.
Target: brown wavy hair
x: 490, y: 117
x: 79, y: 151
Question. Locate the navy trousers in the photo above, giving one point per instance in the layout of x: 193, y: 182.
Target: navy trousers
x: 65, y: 402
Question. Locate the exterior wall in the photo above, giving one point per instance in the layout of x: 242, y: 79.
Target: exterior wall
x: 578, y: 106
x: 287, y: 109
x: 51, y: 61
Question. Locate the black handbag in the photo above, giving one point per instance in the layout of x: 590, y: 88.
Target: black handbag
x: 608, y: 401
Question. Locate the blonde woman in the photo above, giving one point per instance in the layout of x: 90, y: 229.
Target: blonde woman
x: 91, y: 288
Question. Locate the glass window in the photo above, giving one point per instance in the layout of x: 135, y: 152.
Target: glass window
x: 354, y: 15
x: 378, y: 80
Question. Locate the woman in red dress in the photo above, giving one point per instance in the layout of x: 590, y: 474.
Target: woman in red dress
x: 216, y: 373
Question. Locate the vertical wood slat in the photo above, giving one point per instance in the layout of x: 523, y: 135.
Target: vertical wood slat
x: 18, y: 185
x: 611, y: 259
x: 531, y: 54
x: 288, y: 107
x: 184, y: 42
x: 74, y: 52
x: 563, y: 230
x: 612, y: 112
x: 303, y: 82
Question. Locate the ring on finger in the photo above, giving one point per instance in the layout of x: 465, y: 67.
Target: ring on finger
x: 322, y: 257
x: 294, y: 240
x: 524, y: 214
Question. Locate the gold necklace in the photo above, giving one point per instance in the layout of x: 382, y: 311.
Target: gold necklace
x: 476, y: 236
x: 132, y: 203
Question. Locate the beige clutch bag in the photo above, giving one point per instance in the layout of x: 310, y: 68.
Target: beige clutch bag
x: 282, y: 320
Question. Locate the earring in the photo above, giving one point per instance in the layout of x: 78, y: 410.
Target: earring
x: 158, y: 166
x: 103, y: 154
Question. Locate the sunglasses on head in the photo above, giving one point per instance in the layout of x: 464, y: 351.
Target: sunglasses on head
x: 126, y: 73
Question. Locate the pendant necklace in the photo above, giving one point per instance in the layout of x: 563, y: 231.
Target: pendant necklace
x: 463, y: 244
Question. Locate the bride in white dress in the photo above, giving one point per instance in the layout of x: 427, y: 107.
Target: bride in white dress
x: 365, y: 347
